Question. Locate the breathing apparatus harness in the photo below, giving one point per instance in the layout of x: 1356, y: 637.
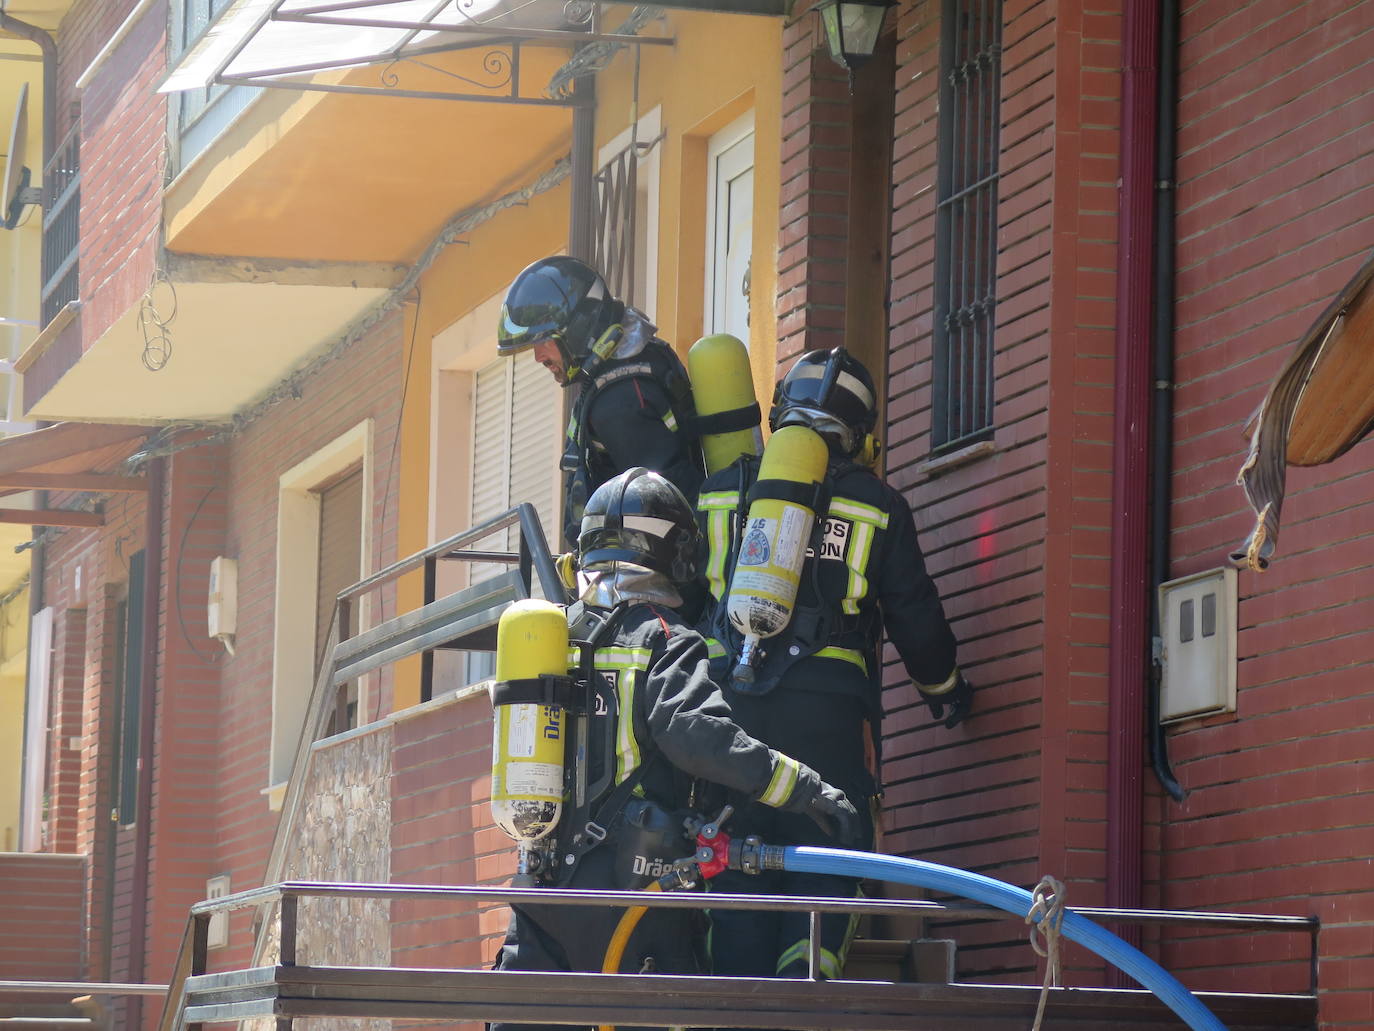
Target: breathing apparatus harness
x: 813, y: 625
x: 653, y: 360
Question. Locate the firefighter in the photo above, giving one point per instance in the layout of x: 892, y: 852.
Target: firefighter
x: 814, y: 689
x: 658, y: 726
x: 635, y: 406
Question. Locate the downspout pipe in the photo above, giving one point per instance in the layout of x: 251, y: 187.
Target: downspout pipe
x: 147, y: 734
x: 1162, y: 418
x: 44, y: 42
x: 1128, y: 657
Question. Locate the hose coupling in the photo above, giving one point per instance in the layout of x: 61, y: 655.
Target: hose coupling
x: 752, y: 856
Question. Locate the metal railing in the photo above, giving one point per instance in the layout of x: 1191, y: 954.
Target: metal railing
x: 61, y: 229
x: 287, y: 990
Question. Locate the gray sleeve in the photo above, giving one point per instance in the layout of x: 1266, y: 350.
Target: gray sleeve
x: 691, y: 723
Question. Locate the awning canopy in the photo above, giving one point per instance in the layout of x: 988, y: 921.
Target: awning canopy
x: 289, y: 43
x: 67, y: 457
x: 1320, y: 406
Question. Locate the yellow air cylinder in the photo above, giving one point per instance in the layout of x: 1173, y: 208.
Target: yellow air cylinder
x: 723, y: 386
x: 772, y: 547
x: 529, y: 738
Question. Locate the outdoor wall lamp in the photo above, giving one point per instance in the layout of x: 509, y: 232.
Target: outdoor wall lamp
x: 852, y: 28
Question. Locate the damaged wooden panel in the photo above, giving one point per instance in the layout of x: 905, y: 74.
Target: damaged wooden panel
x: 1320, y: 405
x: 1336, y: 407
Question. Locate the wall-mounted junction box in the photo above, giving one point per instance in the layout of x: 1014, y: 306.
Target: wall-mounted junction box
x: 217, y: 936
x: 1198, y: 615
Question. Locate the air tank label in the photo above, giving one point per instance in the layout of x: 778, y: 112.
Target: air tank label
x: 796, y: 526
x: 755, y: 550
x: 520, y: 736
x: 534, y: 779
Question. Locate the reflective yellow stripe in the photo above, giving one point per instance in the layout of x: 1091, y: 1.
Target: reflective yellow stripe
x: 669, y: 420
x: 718, y: 506
x: 832, y: 964
x: 784, y: 779
x: 718, y: 499
x: 627, y: 663
x: 860, y: 546
x: 944, y: 688
x: 859, y: 511
x: 845, y: 654
x: 714, y: 649
x: 799, y: 953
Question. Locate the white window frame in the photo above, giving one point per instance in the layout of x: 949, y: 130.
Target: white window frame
x: 717, y: 147
x: 459, y: 351
x: 37, y: 711
x: 298, y: 576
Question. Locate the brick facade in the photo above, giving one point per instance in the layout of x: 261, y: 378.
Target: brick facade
x: 40, y: 910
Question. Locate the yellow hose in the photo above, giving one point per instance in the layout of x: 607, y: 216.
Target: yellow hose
x: 615, y: 951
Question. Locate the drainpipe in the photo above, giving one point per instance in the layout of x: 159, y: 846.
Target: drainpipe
x: 1128, y: 658
x: 1162, y: 425
x: 147, y: 727
x: 583, y: 201
x: 44, y: 42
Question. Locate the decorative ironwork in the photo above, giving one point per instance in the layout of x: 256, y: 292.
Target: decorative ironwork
x: 61, y: 231
x: 502, y: 65
x: 966, y: 224
x: 578, y: 12
x: 613, y: 243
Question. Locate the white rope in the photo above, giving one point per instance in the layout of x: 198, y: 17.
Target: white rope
x: 1045, y: 917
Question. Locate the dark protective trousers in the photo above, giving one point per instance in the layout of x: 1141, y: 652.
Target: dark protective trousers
x: 826, y: 731
x: 573, y: 939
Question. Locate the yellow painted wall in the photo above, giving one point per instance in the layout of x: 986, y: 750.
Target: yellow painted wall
x: 720, y: 67
x: 459, y: 280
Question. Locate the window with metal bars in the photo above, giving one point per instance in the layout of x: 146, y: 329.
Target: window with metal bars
x: 61, y: 226
x: 966, y: 223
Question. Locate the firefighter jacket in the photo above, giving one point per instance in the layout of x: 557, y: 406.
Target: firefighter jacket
x: 653, y: 696
x: 863, y: 566
x: 635, y: 411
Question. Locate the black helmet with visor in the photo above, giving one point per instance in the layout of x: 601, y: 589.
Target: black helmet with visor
x: 641, y: 518
x: 830, y: 392
x: 560, y: 299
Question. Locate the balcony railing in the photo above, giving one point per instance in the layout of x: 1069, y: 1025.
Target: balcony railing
x: 61, y: 232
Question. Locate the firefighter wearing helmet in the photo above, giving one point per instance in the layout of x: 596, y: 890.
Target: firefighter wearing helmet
x: 635, y: 405
x: 813, y: 689
x: 656, y: 724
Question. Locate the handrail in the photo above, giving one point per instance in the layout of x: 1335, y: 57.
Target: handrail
x: 289, y: 892
x: 717, y: 900
x: 532, y: 538
x: 84, y: 987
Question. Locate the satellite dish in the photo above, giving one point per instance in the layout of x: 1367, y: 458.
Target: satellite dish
x: 17, y: 194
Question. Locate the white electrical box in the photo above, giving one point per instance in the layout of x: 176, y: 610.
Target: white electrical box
x: 217, y: 935
x: 222, y: 614
x: 1198, y: 626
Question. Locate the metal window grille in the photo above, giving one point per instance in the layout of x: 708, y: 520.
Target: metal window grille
x: 61, y: 206
x: 966, y: 223
x: 613, y: 246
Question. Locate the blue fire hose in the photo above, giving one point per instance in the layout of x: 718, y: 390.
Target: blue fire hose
x: 1012, y: 900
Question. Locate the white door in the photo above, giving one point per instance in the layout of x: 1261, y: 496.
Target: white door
x: 730, y: 227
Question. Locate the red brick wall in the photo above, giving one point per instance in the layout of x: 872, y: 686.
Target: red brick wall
x: 813, y: 226
x: 1016, y: 791
x: 185, y: 774
x: 40, y: 910
x: 1275, y: 213
x: 64, y: 757
x: 123, y: 143
x: 364, y: 382
x: 442, y: 834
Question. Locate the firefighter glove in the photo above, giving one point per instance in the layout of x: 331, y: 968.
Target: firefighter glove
x: 827, y: 805
x: 952, y: 701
